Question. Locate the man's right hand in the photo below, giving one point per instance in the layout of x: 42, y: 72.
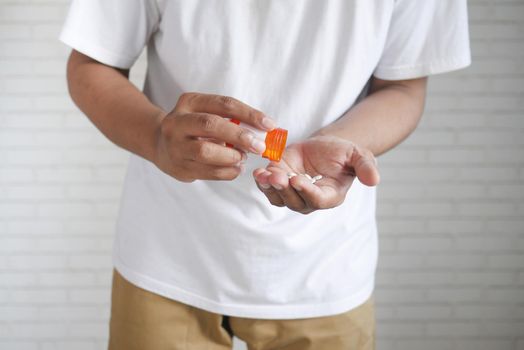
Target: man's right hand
x: 191, y: 139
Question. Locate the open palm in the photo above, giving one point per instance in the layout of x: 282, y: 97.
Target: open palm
x: 336, y: 159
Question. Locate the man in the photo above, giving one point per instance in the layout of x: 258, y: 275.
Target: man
x: 198, y: 261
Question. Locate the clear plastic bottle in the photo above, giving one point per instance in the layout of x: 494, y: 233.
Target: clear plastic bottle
x: 275, y: 140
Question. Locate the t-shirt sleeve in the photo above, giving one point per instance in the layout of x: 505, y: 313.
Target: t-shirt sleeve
x: 113, y: 32
x: 425, y: 37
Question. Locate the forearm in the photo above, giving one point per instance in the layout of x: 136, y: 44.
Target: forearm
x: 389, y: 113
x: 114, y: 105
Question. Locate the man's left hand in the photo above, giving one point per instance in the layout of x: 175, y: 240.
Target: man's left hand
x: 336, y: 159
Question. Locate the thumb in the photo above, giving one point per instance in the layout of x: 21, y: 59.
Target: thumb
x: 365, y: 165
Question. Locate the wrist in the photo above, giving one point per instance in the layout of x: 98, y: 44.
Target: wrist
x: 342, y: 135
x: 326, y: 135
x: 329, y: 132
x: 156, y: 139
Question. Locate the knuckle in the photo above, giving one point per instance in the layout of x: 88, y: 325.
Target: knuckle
x: 295, y: 204
x: 227, y: 101
x: 224, y: 174
x: 186, y: 97
x: 214, y: 174
x: 244, y: 136
x: 203, y: 152
x: 231, y: 175
x: 234, y: 156
x: 295, y: 207
x: 276, y: 201
x: 305, y: 210
x: 182, y: 176
x: 256, y: 116
x: 206, y: 123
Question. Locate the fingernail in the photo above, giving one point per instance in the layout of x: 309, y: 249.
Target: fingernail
x: 269, y: 123
x: 264, y: 186
x: 258, y: 145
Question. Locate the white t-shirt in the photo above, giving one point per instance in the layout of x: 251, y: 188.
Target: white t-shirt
x: 221, y: 246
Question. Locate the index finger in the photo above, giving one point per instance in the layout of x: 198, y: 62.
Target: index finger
x: 227, y: 107
x: 215, y: 127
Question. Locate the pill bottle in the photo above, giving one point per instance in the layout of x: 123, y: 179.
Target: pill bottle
x: 275, y: 140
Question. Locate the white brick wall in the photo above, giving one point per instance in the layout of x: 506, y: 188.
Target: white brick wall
x: 451, y: 206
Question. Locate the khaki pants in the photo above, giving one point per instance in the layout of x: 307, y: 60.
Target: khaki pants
x: 146, y: 321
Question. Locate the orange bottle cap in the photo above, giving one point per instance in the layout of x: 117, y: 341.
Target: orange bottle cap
x: 275, y: 144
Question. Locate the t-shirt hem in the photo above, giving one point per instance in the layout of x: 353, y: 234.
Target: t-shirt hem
x: 96, y: 52
x: 245, y: 310
x: 422, y: 70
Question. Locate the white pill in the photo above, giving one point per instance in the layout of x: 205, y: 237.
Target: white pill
x: 318, y: 177
x: 290, y: 175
